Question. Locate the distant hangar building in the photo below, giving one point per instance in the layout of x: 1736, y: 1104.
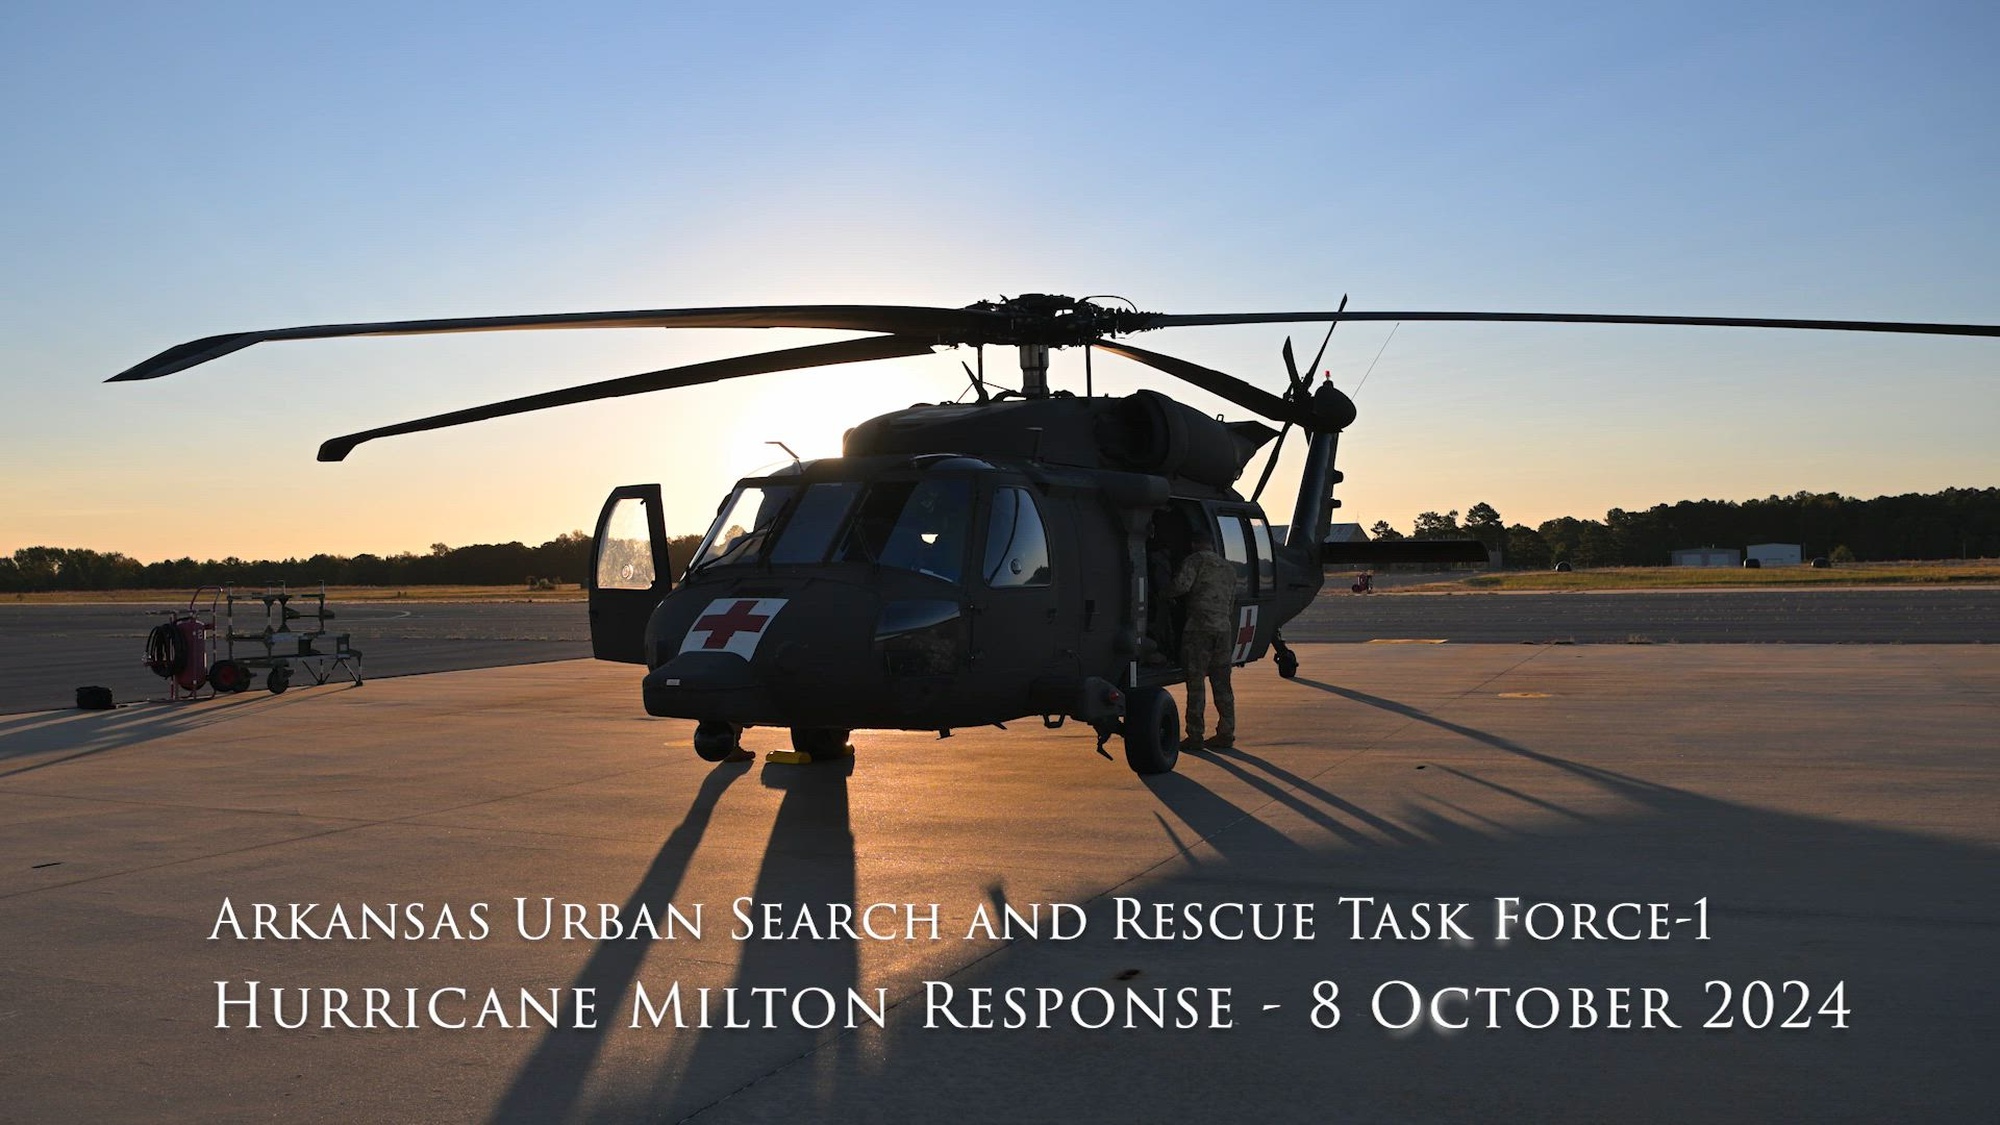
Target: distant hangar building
x: 1775, y: 554
x: 1708, y: 556
x: 1337, y: 533
x: 1346, y: 533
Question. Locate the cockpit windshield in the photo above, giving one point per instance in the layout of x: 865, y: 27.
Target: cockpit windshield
x: 742, y: 530
x: 913, y: 525
x: 919, y: 525
x: 817, y: 520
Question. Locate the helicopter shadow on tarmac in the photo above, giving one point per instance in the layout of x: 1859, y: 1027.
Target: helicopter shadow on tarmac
x: 548, y: 1084
x: 809, y: 857
x: 1352, y: 823
x: 1902, y: 919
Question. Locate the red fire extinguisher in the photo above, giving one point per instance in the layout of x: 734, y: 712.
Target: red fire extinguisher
x: 177, y: 651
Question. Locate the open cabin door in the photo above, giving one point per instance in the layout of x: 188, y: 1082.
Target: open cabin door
x: 628, y: 572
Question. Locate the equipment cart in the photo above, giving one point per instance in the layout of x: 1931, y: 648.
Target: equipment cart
x: 294, y: 636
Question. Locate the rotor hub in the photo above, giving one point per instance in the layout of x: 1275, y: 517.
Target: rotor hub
x: 1053, y: 321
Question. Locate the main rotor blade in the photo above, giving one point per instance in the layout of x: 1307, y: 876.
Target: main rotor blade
x: 1167, y: 320
x: 818, y: 355
x: 1215, y: 383
x: 941, y: 325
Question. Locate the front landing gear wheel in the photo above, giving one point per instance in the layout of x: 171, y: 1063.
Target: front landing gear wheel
x: 1152, y: 730
x: 822, y: 744
x: 714, y: 742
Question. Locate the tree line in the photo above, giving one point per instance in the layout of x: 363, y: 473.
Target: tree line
x: 1957, y: 523
x: 558, y: 562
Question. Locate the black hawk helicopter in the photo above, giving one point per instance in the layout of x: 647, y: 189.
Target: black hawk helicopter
x: 962, y: 564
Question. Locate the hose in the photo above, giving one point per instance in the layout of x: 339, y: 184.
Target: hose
x: 166, y: 650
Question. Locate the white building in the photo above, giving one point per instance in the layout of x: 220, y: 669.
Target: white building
x: 1775, y: 554
x: 1708, y: 556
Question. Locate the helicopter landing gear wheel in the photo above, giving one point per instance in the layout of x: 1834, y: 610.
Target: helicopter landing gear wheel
x: 822, y: 744
x: 278, y: 679
x: 714, y: 742
x: 1286, y: 660
x: 1152, y: 730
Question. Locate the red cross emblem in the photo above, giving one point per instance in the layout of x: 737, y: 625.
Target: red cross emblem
x: 732, y: 625
x: 1246, y: 634
x: 739, y: 619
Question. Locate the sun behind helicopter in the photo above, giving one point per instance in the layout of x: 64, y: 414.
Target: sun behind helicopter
x: 962, y: 564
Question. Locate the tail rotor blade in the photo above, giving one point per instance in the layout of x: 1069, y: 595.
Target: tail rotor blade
x: 1272, y: 463
x: 1301, y: 387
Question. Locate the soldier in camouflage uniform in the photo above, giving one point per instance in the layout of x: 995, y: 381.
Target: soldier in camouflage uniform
x: 1208, y: 583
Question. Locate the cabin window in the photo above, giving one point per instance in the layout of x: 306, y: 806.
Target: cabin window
x: 1236, y: 550
x: 1267, y: 561
x: 923, y: 526
x: 742, y: 530
x: 814, y: 522
x: 1017, y: 545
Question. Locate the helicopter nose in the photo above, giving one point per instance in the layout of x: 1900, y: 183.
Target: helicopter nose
x: 699, y: 685
x: 766, y: 654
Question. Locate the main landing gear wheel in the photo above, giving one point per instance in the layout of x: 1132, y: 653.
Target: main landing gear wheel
x: 822, y: 744
x: 1152, y: 730
x: 715, y: 741
x: 1286, y: 660
x: 278, y: 679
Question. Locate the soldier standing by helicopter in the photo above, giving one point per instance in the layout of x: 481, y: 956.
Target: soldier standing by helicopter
x: 1208, y: 583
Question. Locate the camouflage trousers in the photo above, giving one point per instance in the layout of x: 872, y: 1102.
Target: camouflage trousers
x: 1205, y: 655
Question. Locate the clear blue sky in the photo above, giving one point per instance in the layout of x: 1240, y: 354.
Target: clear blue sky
x: 174, y: 171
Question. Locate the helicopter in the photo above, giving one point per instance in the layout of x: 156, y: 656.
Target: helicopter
x: 969, y: 563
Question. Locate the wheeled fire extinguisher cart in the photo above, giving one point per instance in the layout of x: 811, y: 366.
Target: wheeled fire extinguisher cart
x: 177, y: 649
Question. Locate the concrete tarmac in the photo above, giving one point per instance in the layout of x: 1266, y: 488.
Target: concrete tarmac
x: 1860, y: 615
x: 51, y: 650
x: 1821, y: 817
x: 54, y: 649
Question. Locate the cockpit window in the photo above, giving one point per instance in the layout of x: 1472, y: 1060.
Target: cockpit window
x: 741, y: 533
x: 814, y: 522
x: 913, y: 525
x: 1017, y: 547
